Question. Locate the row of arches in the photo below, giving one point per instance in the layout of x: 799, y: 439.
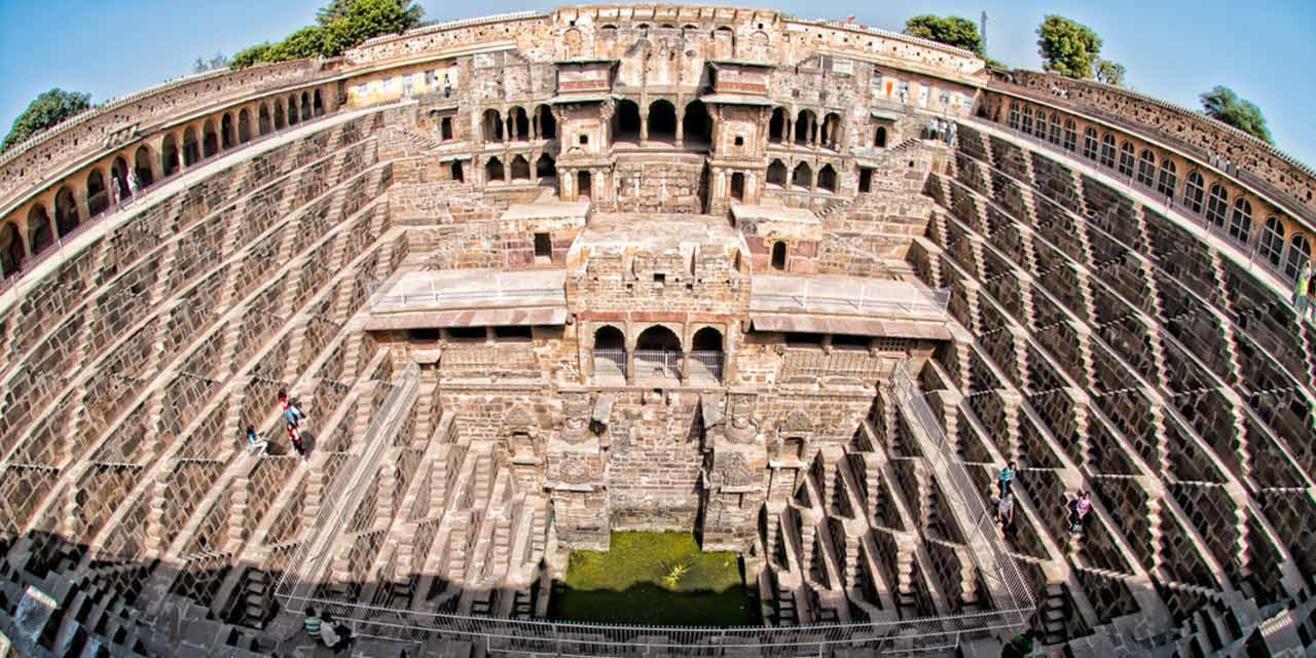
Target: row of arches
x: 802, y: 176
x: 518, y: 125
x: 125, y: 175
x: 519, y: 169
x: 1217, y: 203
x: 658, y: 353
x: 804, y: 129
x: 658, y: 122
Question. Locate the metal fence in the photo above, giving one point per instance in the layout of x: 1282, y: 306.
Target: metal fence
x: 434, y: 297
x: 706, y: 365
x: 557, y: 638
x: 561, y: 638
x: 982, y: 535
x: 610, y: 363
x: 308, y: 560
x: 657, y: 364
x: 907, y: 300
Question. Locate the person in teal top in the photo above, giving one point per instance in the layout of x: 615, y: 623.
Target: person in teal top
x: 1006, y: 478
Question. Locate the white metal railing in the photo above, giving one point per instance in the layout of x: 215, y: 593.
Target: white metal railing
x: 436, y: 296
x: 610, y: 363
x: 905, y: 299
x: 657, y: 364
x: 706, y: 364
x: 348, y: 486
x: 564, y: 638
x: 991, y: 556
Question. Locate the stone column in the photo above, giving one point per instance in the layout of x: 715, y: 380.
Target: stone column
x: 80, y: 200
x: 507, y: 132
x: 644, y: 129
x: 788, y: 134
x: 680, y: 129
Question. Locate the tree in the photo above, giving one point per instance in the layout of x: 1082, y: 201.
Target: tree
x: 252, y: 55
x: 1222, y: 104
x: 951, y: 30
x: 340, y: 25
x: 1111, y: 73
x: 48, y: 109
x: 363, y: 19
x: 338, y: 9
x: 1067, y: 47
x: 306, y: 42
x: 219, y: 61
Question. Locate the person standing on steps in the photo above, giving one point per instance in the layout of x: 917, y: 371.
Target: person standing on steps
x: 1300, y: 290
x: 293, y: 416
x: 1006, y: 478
x: 1311, y: 293
x: 313, y: 624
x: 255, y: 441
x: 1078, y: 510
x: 1005, y: 511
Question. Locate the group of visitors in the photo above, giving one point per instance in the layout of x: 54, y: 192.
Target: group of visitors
x: 116, y: 188
x: 323, y: 629
x: 1304, y: 294
x: 1079, y: 506
x: 942, y: 130
x: 292, y: 418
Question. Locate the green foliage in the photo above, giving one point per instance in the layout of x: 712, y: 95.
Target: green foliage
x: 306, y: 42
x: 404, y: 11
x: 252, y: 55
x: 46, y: 110
x: 950, y: 30
x: 219, y: 61
x: 340, y: 25
x: 1222, y: 104
x: 1067, y: 47
x: 655, y: 577
x: 1111, y: 73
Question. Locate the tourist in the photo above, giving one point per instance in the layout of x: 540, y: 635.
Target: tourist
x: 313, y: 624
x: 1005, y: 511
x: 1078, y: 510
x: 1006, y: 478
x: 255, y: 442
x: 1300, y: 290
x: 115, y: 190
x: 134, y: 185
x: 293, y: 417
x: 1311, y: 300
x: 335, y: 636
x: 1019, y: 646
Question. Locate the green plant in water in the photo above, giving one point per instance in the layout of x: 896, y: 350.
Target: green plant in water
x: 675, y: 572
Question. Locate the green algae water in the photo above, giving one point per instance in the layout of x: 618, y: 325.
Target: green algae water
x: 654, y: 578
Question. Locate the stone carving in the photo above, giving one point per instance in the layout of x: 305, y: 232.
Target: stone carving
x: 736, y: 471
x: 576, y: 470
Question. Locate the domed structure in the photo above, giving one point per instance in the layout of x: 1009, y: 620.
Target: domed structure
x: 801, y: 288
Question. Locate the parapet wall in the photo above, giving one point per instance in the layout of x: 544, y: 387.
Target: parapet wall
x: 123, y: 119
x: 1242, y: 154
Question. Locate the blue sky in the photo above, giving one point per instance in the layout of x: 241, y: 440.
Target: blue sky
x: 1174, y: 49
